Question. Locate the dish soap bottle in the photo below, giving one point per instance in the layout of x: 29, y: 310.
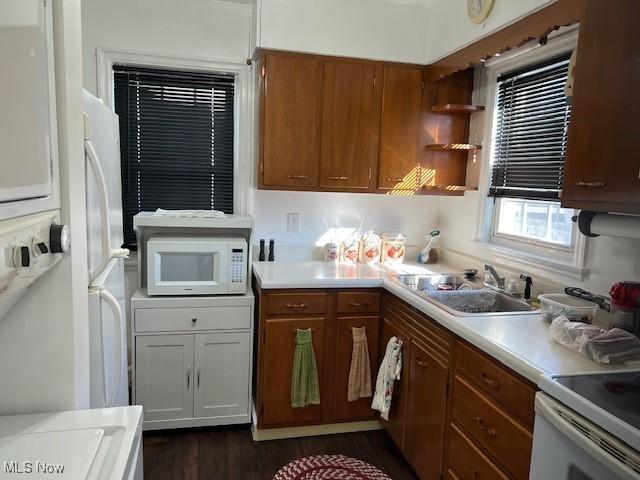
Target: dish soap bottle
x: 429, y: 254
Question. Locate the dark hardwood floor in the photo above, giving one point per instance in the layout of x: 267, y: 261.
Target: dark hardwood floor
x: 231, y: 453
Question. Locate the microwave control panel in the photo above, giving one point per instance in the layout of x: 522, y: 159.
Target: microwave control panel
x: 238, y: 257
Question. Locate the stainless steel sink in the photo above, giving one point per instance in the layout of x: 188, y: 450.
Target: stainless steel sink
x: 463, y: 297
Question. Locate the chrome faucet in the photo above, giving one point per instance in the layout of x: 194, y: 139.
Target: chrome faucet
x: 499, y: 280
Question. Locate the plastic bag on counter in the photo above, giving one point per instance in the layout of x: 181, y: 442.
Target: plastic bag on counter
x: 594, y: 343
x: 614, y: 346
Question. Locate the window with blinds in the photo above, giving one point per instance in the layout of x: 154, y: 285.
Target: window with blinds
x: 176, y: 141
x: 531, y: 132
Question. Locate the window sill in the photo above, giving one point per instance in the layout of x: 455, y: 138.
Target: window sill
x: 530, y: 262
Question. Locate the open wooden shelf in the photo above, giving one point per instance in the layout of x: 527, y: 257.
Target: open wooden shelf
x: 448, y: 188
x: 451, y: 190
x: 457, y: 108
x: 453, y: 146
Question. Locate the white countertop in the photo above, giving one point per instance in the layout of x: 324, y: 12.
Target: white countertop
x: 518, y: 341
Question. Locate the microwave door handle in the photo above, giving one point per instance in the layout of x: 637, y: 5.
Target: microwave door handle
x: 564, y: 427
x: 117, y: 320
x: 105, y: 226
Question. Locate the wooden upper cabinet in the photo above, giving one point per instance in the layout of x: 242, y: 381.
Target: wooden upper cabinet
x: 400, y: 135
x: 603, y: 165
x: 350, y: 125
x: 291, y: 121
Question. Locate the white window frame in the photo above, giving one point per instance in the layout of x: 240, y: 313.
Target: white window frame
x: 524, y: 242
x: 549, y: 257
x: 243, y: 108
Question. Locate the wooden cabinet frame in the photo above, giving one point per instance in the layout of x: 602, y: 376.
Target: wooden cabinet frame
x: 385, y: 133
x: 433, y: 360
x: 293, y: 306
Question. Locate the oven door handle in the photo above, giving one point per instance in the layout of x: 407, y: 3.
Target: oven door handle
x: 550, y: 409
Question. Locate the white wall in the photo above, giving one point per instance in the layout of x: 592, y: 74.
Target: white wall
x: 319, y: 212
x: 207, y: 29
x: 374, y: 29
x: 609, y: 259
x: 44, y: 338
x: 450, y: 29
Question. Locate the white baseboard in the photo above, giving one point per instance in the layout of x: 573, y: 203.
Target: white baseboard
x: 196, y: 422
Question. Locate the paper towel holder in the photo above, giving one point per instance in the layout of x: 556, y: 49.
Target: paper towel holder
x: 594, y: 224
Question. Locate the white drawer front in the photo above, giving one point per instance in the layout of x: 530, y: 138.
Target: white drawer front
x: 195, y: 318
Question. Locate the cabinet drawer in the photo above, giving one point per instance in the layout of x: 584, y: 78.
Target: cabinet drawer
x: 196, y: 318
x: 466, y: 461
x: 358, y: 302
x: 499, y: 434
x: 512, y: 393
x: 300, y: 303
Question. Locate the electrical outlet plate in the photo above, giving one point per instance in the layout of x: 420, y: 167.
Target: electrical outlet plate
x: 293, y: 222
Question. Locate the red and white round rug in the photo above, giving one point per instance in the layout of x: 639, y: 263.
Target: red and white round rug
x: 329, y: 467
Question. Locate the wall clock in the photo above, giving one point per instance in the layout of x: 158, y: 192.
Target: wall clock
x: 478, y: 10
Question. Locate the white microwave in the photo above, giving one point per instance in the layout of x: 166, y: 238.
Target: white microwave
x: 196, y: 266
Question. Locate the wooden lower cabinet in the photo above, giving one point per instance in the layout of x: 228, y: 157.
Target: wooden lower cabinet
x: 426, y: 407
x: 330, y: 314
x: 466, y: 461
x: 456, y: 412
x: 395, y: 424
x: 279, y: 347
x: 358, y: 409
x: 418, y: 410
x: 492, y: 428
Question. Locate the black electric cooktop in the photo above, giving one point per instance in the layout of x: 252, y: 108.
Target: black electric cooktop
x: 616, y: 393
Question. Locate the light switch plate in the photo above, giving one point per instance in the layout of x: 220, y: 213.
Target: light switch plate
x: 293, y: 222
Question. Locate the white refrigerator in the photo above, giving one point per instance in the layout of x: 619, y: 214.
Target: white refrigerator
x: 107, y: 315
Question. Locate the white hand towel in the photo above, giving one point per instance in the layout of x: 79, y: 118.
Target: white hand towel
x: 360, y: 372
x: 387, y: 375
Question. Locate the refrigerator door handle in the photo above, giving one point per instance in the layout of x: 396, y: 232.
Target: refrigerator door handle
x: 107, y: 251
x: 117, y: 319
x: 92, y: 157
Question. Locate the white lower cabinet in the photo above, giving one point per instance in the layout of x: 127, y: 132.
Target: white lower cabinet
x: 222, y: 374
x: 192, y: 359
x: 186, y: 377
x: 164, y: 379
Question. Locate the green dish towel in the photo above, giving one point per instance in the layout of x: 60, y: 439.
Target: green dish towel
x: 304, y: 377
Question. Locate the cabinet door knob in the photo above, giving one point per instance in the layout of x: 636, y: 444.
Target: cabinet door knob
x: 194, y: 320
x: 333, y: 177
x: 297, y: 177
x: 591, y: 184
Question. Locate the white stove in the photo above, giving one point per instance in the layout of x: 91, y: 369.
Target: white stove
x: 97, y: 444
x: 587, y: 427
